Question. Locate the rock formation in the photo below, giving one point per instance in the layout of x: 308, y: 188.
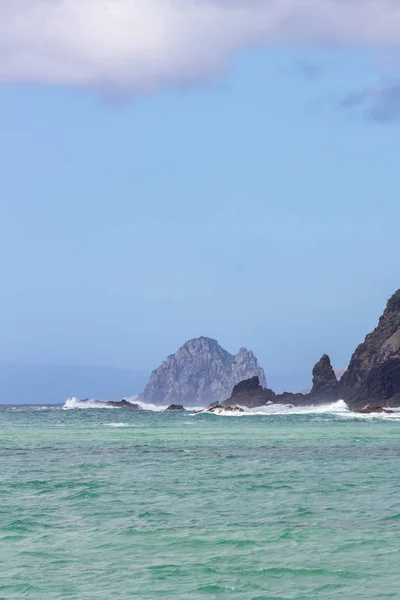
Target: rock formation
x: 199, y: 373
x: 219, y: 409
x: 325, y: 383
x: 373, y: 374
x: 371, y: 410
x: 175, y: 407
x: 123, y: 404
x: 251, y: 394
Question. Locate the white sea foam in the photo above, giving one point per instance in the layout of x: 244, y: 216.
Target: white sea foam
x: 74, y: 403
x: 338, y: 408
x: 119, y: 425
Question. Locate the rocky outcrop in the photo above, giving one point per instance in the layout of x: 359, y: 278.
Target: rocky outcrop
x: 251, y: 394
x: 325, y: 383
x: 199, y: 373
x: 373, y: 374
x: 123, y: 404
x: 218, y: 409
x: 175, y: 407
x: 370, y: 410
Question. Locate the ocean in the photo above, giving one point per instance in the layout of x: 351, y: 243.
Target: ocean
x: 105, y: 503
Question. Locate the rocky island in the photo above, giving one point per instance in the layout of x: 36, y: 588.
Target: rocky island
x: 199, y: 373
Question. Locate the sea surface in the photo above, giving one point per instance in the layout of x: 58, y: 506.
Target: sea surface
x: 107, y: 503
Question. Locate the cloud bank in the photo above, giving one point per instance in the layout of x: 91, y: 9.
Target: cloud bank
x: 146, y: 45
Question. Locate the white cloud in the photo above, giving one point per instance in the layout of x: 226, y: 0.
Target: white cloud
x: 149, y: 44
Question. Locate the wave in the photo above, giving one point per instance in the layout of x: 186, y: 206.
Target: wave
x: 75, y: 403
x: 339, y: 409
x: 118, y: 425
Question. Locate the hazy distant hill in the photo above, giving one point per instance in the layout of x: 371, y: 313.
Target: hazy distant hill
x: 50, y: 384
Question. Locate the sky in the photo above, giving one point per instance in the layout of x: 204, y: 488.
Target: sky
x: 177, y: 168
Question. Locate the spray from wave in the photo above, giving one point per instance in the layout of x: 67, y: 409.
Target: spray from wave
x: 75, y: 403
x: 338, y: 409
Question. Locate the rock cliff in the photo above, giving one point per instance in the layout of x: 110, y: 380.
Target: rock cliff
x: 199, y: 373
x: 374, y: 370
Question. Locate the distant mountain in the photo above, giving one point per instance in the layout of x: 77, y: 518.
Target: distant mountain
x: 52, y: 384
x: 200, y: 372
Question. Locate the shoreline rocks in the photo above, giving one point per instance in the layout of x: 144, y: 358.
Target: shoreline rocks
x: 174, y: 408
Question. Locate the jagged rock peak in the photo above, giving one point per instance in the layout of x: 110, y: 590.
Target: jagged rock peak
x: 325, y: 383
x: 200, y: 372
x: 374, y: 369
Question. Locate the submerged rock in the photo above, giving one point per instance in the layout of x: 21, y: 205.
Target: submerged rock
x: 221, y: 409
x: 200, y: 372
x: 175, y: 407
x: 368, y: 410
x: 124, y: 404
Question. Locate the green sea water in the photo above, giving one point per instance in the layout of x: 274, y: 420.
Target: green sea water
x: 108, y: 503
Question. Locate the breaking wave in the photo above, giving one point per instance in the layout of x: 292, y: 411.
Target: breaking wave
x: 335, y: 409
x: 339, y: 409
x: 119, y: 425
x: 75, y: 403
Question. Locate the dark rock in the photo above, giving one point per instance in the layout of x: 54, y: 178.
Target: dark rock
x: 368, y: 410
x: 249, y: 393
x: 288, y: 398
x: 221, y: 408
x: 200, y: 372
x: 325, y: 383
x: 123, y: 404
x: 373, y: 374
x: 174, y: 407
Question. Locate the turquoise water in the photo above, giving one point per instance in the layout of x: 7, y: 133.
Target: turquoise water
x: 109, y: 503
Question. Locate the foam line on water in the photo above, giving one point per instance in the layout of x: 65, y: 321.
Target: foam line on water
x: 339, y: 408
x: 74, y: 403
x: 119, y: 425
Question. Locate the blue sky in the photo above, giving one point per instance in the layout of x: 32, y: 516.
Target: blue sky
x: 259, y: 207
